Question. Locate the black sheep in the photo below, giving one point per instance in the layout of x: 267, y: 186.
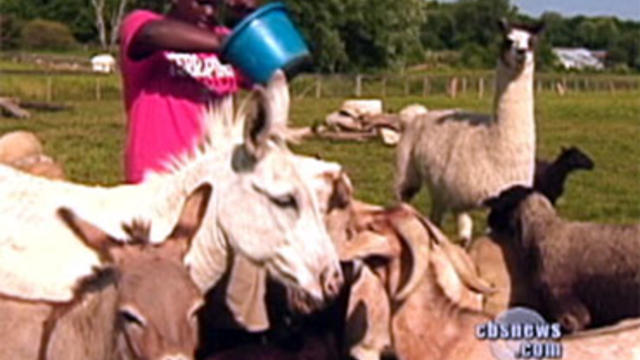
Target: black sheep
x: 549, y: 177
x: 587, y: 274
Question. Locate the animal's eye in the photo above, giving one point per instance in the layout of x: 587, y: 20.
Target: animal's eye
x: 287, y: 200
x: 508, y: 43
x: 132, y: 318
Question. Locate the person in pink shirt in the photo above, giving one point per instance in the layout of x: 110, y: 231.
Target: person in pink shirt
x: 171, y: 73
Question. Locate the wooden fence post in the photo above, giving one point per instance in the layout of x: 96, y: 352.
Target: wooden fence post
x: 358, y: 91
x: 464, y: 86
x: 318, y: 87
x: 425, y: 86
x: 98, y: 90
x: 49, y: 93
x: 384, y: 86
x: 406, y: 87
x: 480, y: 87
x: 453, y: 87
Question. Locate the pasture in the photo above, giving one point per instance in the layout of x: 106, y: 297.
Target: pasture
x: 89, y: 140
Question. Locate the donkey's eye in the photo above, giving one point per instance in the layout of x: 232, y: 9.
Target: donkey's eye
x: 132, y: 318
x: 287, y: 200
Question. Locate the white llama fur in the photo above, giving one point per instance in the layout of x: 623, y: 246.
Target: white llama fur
x: 465, y: 158
x: 41, y: 258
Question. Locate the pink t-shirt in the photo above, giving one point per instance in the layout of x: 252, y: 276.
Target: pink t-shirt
x: 165, y: 95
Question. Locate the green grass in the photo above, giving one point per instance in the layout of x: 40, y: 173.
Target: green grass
x: 89, y: 141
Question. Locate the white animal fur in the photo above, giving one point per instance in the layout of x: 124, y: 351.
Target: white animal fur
x: 465, y: 158
x: 40, y: 258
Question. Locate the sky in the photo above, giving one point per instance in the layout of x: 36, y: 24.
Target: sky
x: 624, y: 9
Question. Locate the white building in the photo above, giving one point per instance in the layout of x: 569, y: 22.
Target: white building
x: 579, y: 58
x: 103, y: 63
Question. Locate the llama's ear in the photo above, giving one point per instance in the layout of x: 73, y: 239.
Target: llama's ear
x: 563, y: 148
x: 538, y: 29
x: 503, y: 25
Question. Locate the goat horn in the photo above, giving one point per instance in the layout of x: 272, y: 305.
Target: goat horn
x: 412, y: 231
x: 462, y: 264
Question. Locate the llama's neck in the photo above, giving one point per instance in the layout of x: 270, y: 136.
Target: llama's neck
x: 513, y: 103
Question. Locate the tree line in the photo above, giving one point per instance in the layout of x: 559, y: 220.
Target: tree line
x: 347, y: 35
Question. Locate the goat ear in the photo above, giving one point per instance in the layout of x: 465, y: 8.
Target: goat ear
x: 342, y: 192
x: 193, y: 212
x: 503, y: 25
x: 366, y: 244
x: 95, y: 238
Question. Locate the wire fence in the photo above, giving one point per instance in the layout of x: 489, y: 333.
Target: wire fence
x: 72, y: 86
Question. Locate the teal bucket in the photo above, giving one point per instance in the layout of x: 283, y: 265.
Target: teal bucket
x: 265, y: 41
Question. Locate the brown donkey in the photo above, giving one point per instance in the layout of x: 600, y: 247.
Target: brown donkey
x: 141, y: 305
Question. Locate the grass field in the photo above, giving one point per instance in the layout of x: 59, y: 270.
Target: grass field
x: 89, y: 139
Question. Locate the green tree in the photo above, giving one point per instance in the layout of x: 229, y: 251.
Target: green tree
x: 47, y: 34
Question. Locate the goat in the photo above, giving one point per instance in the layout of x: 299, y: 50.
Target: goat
x: 127, y: 309
x: 569, y: 263
x: 550, y: 177
x: 428, y: 324
x: 465, y: 158
x: 498, y: 263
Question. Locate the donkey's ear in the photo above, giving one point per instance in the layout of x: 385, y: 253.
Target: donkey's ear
x: 269, y: 118
x: 257, y: 126
x: 95, y: 238
x: 193, y: 212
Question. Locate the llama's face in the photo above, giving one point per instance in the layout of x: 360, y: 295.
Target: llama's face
x: 518, y: 45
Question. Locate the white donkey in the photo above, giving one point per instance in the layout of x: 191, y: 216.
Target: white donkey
x: 262, y: 208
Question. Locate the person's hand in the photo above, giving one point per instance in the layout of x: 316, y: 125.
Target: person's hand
x: 238, y: 9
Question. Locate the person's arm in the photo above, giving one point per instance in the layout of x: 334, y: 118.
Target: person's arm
x: 174, y: 35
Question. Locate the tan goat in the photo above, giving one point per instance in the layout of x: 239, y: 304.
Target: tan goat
x: 497, y: 263
x: 141, y: 306
x: 394, y: 244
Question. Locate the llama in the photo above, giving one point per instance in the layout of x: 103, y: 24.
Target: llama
x: 549, y: 177
x: 262, y: 207
x: 465, y: 158
x: 127, y: 309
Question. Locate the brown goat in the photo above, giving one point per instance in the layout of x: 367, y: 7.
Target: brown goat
x: 141, y: 306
